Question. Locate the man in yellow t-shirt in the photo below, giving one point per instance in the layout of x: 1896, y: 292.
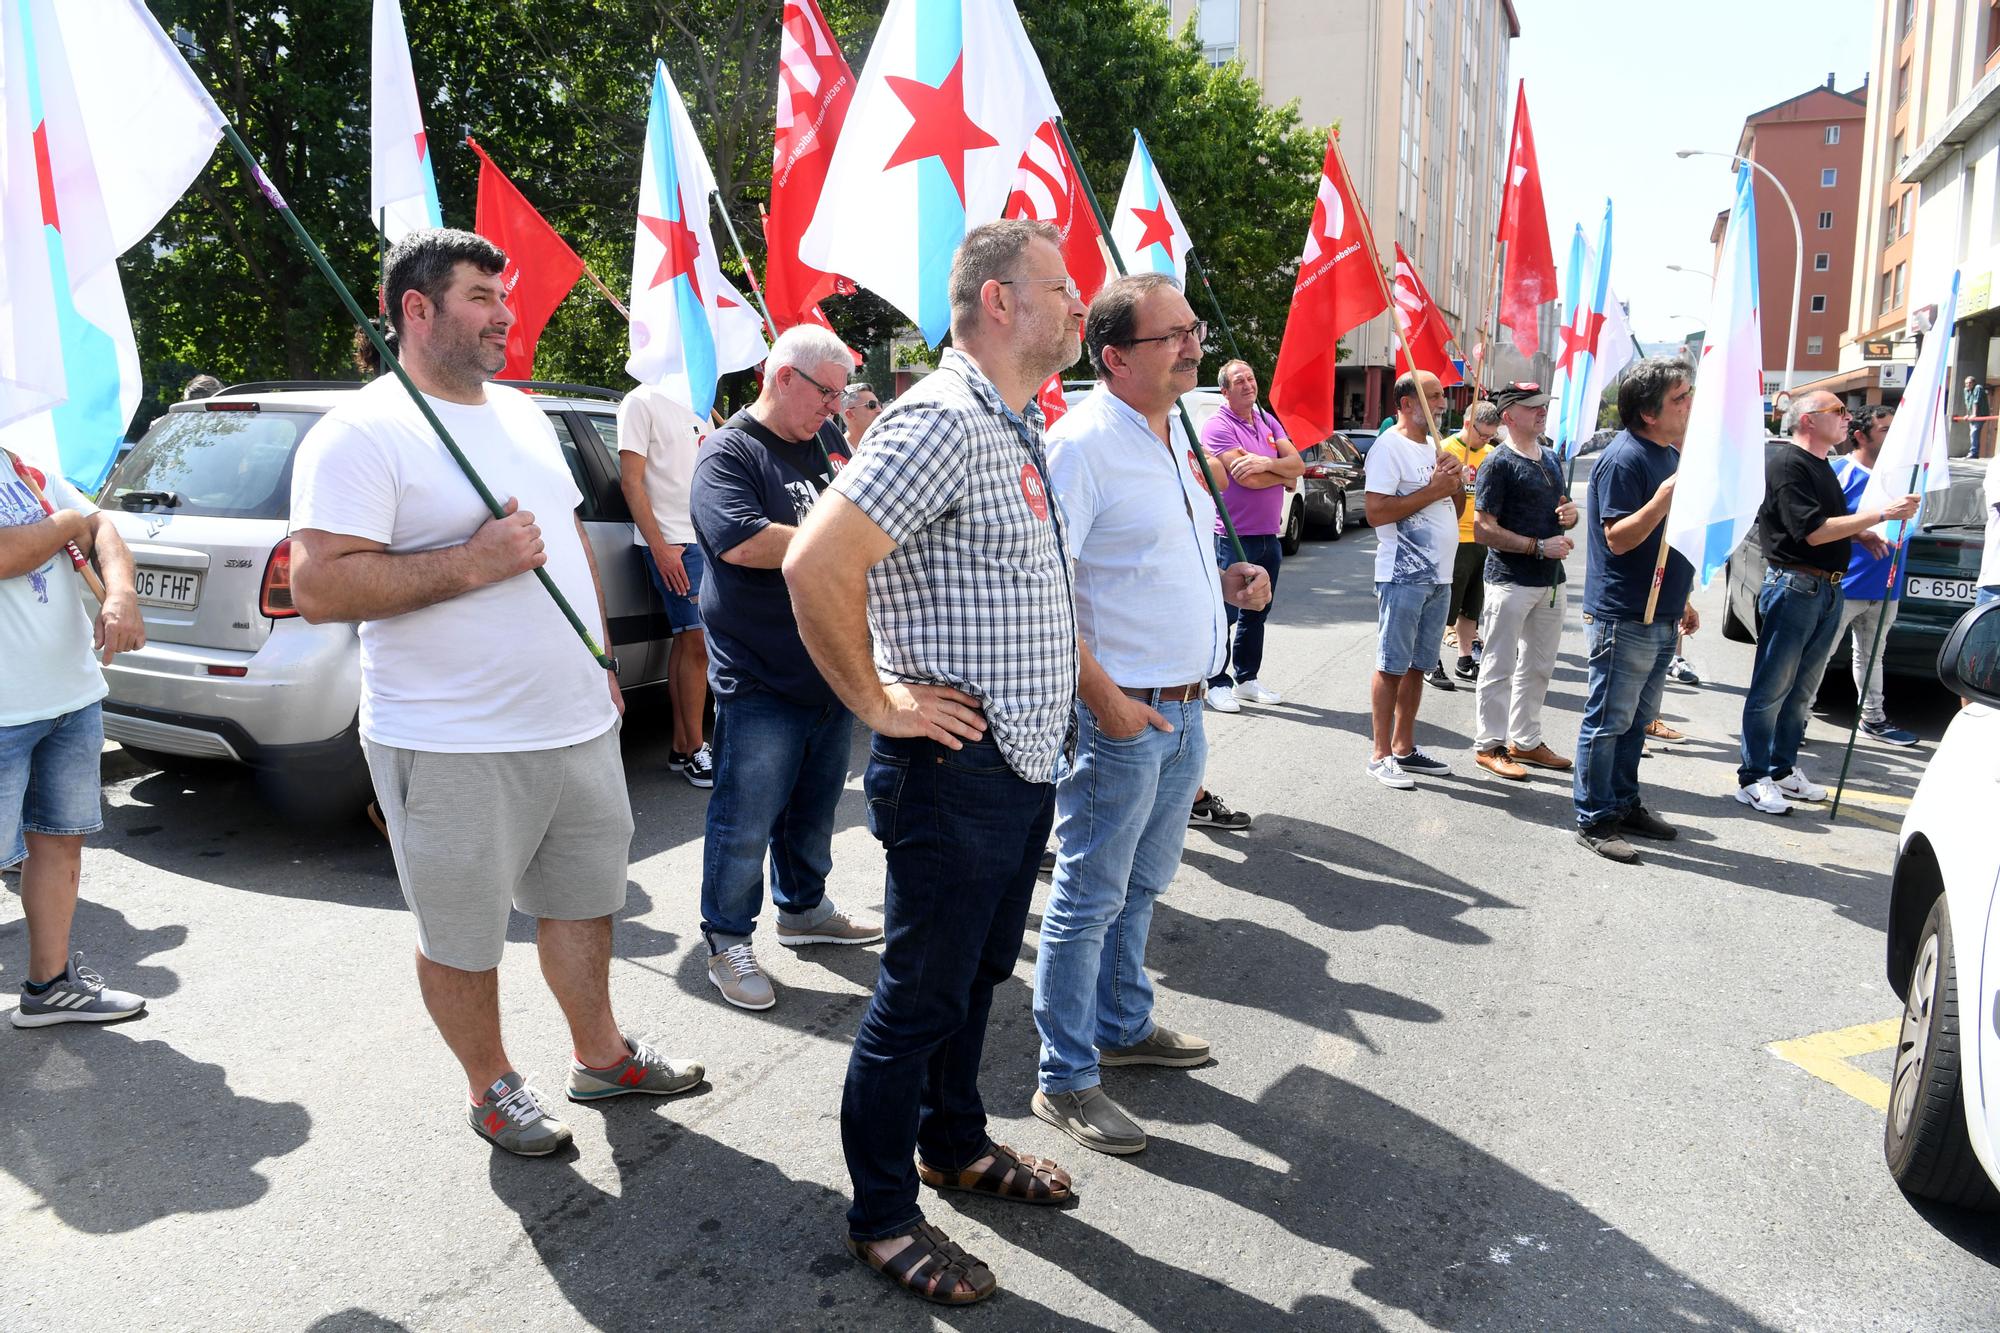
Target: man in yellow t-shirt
x: 1469, y: 446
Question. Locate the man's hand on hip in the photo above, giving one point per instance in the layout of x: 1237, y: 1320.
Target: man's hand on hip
x: 949, y: 717
x: 1247, y: 586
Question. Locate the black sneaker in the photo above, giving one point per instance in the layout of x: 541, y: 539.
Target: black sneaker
x: 1416, y: 761
x: 1467, y: 669
x: 1604, y: 839
x: 698, y: 768
x: 1436, y: 677
x: 1646, y: 824
x: 1211, y: 812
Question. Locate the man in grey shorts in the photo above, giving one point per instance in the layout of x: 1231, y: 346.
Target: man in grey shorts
x: 491, y: 734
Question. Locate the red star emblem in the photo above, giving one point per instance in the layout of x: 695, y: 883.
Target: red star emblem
x: 1579, y: 338
x: 939, y: 127
x: 682, y: 249
x: 1159, y: 228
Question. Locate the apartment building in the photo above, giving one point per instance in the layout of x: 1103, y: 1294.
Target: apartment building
x: 1421, y: 92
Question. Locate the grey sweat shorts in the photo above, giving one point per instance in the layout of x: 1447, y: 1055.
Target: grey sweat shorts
x: 548, y: 832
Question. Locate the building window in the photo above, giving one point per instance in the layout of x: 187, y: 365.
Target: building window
x: 1215, y: 24
x: 1896, y: 153
x: 1826, y: 222
x: 1814, y: 345
x: 1833, y: 134
x: 1827, y: 176
x: 1822, y: 261
x: 1902, y: 83
x: 1819, y: 305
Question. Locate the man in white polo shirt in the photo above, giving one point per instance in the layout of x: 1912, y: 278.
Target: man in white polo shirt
x: 1149, y: 603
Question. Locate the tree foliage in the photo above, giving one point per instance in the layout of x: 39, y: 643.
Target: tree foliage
x: 556, y: 90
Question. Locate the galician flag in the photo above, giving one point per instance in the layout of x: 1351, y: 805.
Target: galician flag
x: 105, y: 128
x: 688, y: 325
x: 402, y: 192
x: 1596, y: 341
x: 950, y: 96
x: 1915, y: 456
x: 1720, y: 484
x: 1147, y: 227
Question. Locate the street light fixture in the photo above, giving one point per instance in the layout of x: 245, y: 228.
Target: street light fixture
x: 1798, y: 244
x: 1696, y: 272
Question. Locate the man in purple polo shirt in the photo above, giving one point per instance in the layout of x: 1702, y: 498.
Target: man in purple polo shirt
x: 1251, y: 445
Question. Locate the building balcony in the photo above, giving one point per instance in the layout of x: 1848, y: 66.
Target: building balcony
x: 1966, y: 119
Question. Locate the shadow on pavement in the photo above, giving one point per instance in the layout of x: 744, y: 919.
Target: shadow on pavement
x: 110, y: 944
x: 114, y: 1132
x: 356, y: 1320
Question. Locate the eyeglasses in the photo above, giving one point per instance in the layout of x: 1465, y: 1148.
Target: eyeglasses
x: 826, y: 395
x: 1197, y: 330
x: 1067, y: 283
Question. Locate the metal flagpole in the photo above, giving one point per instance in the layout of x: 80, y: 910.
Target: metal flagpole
x: 1194, y: 262
x: 395, y: 367
x: 1187, y: 422
x: 748, y: 272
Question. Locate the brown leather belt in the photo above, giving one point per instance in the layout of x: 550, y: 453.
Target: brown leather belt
x: 1172, y: 694
x: 1813, y: 571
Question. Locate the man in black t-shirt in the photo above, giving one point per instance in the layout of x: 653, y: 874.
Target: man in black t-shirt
x: 781, y: 735
x: 1806, y: 534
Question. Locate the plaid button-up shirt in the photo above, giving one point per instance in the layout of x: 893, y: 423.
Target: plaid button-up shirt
x: 977, y: 593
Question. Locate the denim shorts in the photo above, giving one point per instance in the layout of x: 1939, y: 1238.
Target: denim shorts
x: 1409, y: 625
x: 49, y: 779
x: 683, y: 613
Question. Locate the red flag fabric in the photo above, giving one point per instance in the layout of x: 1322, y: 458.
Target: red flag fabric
x: 1529, y: 279
x: 1049, y: 188
x: 1420, y: 325
x: 815, y: 87
x: 541, y: 268
x: 1338, y: 288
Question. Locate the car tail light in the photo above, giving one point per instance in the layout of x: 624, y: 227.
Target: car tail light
x: 276, y: 599
x: 232, y: 407
x: 1317, y: 473
x: 230, y: 670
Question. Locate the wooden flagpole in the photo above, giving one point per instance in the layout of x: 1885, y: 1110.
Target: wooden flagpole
x: 90, y: 579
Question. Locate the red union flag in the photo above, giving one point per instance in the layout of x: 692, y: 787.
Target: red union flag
x: 1338, y: 288
x: 1049, y: 189
x: 541, y: 268
x: 815, y: 88
x: 1420, y: 325
x: 1529, y: 279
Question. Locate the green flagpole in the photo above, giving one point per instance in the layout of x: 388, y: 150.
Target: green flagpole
x: 1194, y: 262
x: 389, y: 361
x: 1187, y: 423
x: 1875, y: 647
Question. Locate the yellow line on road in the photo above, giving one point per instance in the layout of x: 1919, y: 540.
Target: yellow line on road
x: 1872, y: 821
x: 1825, y: 1056
x: 1867, y: 797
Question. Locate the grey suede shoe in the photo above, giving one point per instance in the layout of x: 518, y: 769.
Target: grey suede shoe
x: 1174, y: 1050
x: 1092, y: 1119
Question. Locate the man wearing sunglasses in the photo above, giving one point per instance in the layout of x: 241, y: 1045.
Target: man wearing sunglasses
x: 860, y: 406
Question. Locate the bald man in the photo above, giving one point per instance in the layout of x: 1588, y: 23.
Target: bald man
x: 1414, y: 493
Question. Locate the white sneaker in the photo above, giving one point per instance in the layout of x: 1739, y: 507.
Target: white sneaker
x: 1763, y: 795
x: 1390, y: 773
x: 1251, y: 692
x: 1796, y: 786
x: 1223, y: 699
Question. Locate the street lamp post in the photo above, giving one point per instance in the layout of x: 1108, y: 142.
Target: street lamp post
x: 1799, y: 251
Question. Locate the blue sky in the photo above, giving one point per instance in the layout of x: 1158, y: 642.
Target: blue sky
x: 1614, y: 88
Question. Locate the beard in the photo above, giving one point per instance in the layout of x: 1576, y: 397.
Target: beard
x: 1051, y: 346
x: 471, y: 358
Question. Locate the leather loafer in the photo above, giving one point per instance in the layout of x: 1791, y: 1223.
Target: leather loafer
x: 1163, y: 1046
x: 1643, y: 822
x: 1496, y: 761
x: 1541, y: 757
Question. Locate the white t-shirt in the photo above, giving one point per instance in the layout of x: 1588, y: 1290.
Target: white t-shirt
x: 498, y: 668
x: 667, y: 432
x: 1422, y: 547
x: 45, y: 633
x: 1989, y: 559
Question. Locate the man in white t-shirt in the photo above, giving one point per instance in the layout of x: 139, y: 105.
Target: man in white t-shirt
x: 657, y: 441
x: 51, y: 729
x: 490, y: 732
x: 1415, y: 491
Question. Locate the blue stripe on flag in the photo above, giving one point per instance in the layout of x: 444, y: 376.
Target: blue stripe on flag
x: 940, y: 212
x: 697, y: 338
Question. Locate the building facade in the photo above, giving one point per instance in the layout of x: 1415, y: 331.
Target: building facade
x: 1421, y: 93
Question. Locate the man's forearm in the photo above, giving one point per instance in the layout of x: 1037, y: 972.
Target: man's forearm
x: 29, y: 546
x: 1488, y: 533
x: 1093, y: 684
x: 763, y: 550
x: 632, y: 483
x: 831, y: 606
x: 114, y: 558
x: 1382, y: 510
x: 374, y: 585
x: 1628, y: 533
x: 1844, y: 526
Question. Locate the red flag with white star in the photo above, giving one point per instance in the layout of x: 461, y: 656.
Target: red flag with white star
x: 1338, y: 288
x: 541, y: 267
x: 1419, y: 324
x: 1529, y: 278
x: 815, y: 88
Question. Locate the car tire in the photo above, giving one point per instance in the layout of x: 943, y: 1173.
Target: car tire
x: 1733, y: 629
x: 1924, y: 1138
x: 1295, y: 528
x: 1338, y: 528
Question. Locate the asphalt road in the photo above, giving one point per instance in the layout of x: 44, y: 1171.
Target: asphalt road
x: 1467, y: 1075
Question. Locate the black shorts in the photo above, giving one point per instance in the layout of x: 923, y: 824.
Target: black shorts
x: 1468, y: 586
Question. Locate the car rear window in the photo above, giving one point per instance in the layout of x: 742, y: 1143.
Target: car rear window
x: 1963, y: 505
x: 214, y: 464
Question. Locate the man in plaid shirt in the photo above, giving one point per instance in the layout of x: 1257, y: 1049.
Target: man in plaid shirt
x: 940, y: 541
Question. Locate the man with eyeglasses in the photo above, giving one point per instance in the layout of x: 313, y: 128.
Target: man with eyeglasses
x: 1259, y: 462
x: 781, y: 734
x: 1470, y: 446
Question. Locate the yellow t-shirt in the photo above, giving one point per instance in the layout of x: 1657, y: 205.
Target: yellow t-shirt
x: 1456, y: 446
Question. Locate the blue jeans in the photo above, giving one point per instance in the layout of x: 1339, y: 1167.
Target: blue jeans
x: 779, y: 770
x: 1121, y: 817
x: 683, y: 613
x: 1628, y: 673
x: 963, y: 836
x: 1247, y: 640
x: 50, y: 779
x: 1800, y: 619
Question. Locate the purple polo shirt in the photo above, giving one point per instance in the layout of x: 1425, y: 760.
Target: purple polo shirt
x: 1256, y: 513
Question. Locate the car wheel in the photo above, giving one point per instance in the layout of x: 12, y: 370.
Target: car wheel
x: 1339, y: 527
x: 1295, y: 528
x: 1924, y: 1136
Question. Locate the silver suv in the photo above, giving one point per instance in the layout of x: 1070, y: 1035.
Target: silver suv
x: 230, y: 671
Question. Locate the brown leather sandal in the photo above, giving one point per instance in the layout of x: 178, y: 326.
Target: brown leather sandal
x: 1013, y: 1176
x: 932, y: 1266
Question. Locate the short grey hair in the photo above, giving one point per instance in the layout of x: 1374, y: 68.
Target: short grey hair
x: 1483, y: 413
x: 991, y: 252
x: 856, y: 391
x: 1643, y: 392
x: 804, y: 346
x: 1113, y: 317
x: 1229, y: 368
x: 1797, y: 412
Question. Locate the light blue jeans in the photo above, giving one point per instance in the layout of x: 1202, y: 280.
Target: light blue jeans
x: 1121, y: 817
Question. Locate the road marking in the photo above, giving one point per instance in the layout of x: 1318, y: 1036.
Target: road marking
x: 1872, y: 821
x: 1872, y: 797
x: 1825, y: 1056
